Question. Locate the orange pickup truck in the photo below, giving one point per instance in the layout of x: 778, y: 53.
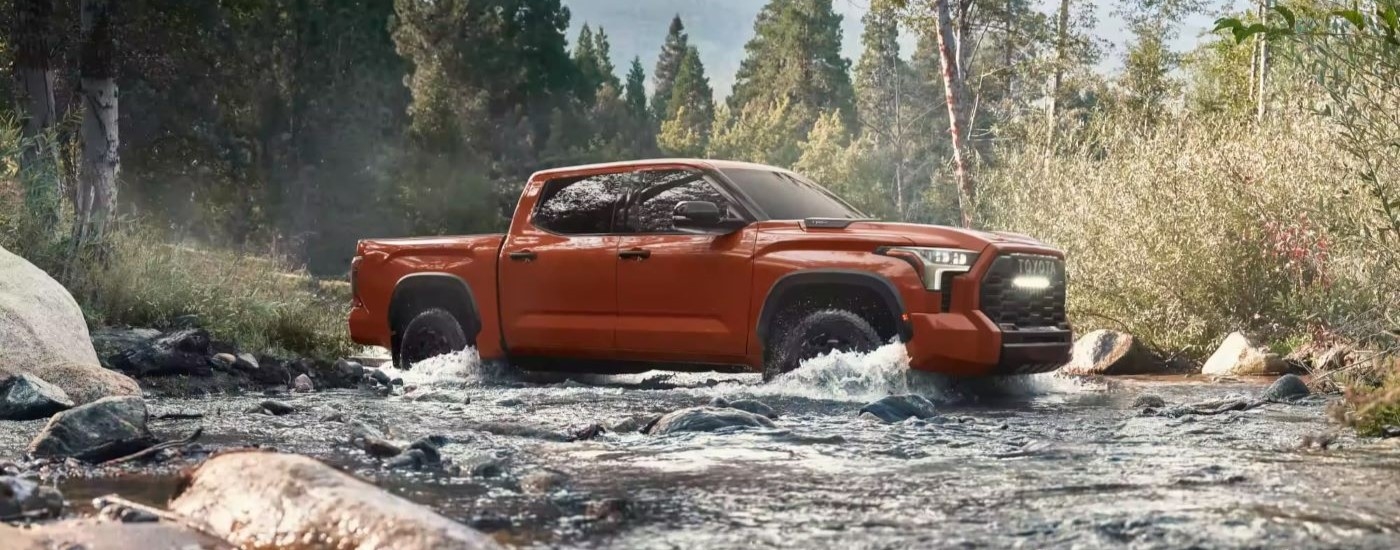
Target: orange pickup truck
x: 689, y: 264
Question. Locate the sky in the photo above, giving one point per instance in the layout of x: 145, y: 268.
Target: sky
x: 720, y: 28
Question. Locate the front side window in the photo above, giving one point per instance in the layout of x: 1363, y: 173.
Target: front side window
x: 652, y: 205
x: 787, y: 196
x: 580, y: 206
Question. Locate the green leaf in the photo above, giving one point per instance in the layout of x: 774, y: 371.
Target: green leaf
x: 1242, y: 34
x: 1287, y: 15
x: 1227, y: 23
x: 1391, y: 16
x: 1352, y: 16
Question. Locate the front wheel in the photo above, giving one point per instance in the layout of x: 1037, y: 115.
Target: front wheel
x: 817, y: 334
x: 431, y: 333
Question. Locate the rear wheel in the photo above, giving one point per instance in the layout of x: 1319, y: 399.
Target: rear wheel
x: 431, y: 333
x: 817, y: 334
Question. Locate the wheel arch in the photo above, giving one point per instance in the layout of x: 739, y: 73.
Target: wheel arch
x: 786, y: 292
x: 416, y: 292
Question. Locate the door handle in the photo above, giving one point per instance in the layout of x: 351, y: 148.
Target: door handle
x: 523, y: 256
x: 634, y: 254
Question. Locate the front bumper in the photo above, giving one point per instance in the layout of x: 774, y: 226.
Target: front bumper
x: 968, y: 344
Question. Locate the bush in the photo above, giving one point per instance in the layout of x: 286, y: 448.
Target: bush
x: 1191, y: 230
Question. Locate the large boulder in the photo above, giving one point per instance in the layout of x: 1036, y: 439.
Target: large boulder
x: 707, y: 419
x: 95, y: 534
x: 42, y: 332
x: 1109, y: 352
x: 251, y: 498
x: 102, y: 430
x: 181, y: 352
x: 28, y: 397
x: 896, y: 408
x: 1239, y: 356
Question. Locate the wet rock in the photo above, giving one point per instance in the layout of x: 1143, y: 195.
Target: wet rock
x: 1287, y: 388
x: 1109, y: 352
x: 183, y: 352
x: 588, y: 432
x: 431, y: 447
x: 749, y: 405
x: 1240, y: 356
x: 377, y: 447
x: 96, y: 534
x: 607, y: 509
x: 270, y: 371
x: 111, y: 340
x: 543, y: 481
x: 43, y: 333
x: 634, y: 424
x: 510, y: 402
x: 412, y: 459
x: 272, y: 407
x: 303, y: 384
x: 396, y: 382
x: 1209, y: 407
x: 379, y: 377
x: 436, y: 396
x: 223, y: 361
x: 1149, y: 400
x: 335, y: 416
x: 250, y: 498
x: 27, y: 397
x: 707, y: 419
x: 350, y: 370
x: 22, y: 498
x: 483, y: 465
x: 104, y: 429
x: 896, y: 408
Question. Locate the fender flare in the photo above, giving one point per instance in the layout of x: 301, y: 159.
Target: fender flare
x: 466, y: 312
x: 787, y: 284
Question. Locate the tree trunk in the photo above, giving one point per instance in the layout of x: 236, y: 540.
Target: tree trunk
x: 1061, y: 44
x: 954, y: 87
x: 34, y: 75
x: 97, y: 183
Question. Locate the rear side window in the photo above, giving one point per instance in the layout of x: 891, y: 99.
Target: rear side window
x: 580, y: 206
x: 652, y: 205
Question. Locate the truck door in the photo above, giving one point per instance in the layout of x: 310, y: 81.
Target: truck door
x: 681, y: 297
x: 558, y: 270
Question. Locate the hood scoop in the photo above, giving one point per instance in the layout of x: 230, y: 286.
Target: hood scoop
x: 833, y: 223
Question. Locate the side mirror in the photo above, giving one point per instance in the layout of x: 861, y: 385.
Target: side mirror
x: 704, y: 217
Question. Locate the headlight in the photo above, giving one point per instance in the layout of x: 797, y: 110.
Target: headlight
x: 935, y: 262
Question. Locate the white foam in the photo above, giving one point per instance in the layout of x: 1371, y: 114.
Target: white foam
x: 453, y: 370
x: 851, y: 376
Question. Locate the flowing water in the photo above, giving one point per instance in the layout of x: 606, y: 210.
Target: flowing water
x: 1035, y: 462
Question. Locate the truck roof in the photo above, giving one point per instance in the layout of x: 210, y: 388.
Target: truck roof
x: 715, y: 164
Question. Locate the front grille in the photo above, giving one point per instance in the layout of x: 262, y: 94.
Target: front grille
x: 1013, y: 307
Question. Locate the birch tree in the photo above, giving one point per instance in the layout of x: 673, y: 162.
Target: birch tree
x: 96, y: 196
x: 951, y: 56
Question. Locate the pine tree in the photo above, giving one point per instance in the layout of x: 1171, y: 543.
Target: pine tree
x: 686, y: 129
x: 602, y: 59
x: 880, y: 72
x: 636, y: 89
x: 590, y: 74
x: 668, y: 66
x: 795, y: 54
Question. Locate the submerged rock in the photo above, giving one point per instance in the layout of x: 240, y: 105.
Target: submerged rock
x: 1287, y: 388
x: 94, y: 534
x: 22, y: 498
x: 542, y: 481
x: 634, y: 424
x: 749, y: 405
x: 251, y: 498
x: 43, y: 333
x: 1109, y: 352
x: 350, y: 370
x: 183, y: 352
x: 379, y: 377
x: 1240, y: 356
x: 896, y: 408
x: 707, y: 419
x: 376, y: 446
x: 102, y: 430
x: 1149, y: 400
x: 272, y: 407
x: 27, y: 397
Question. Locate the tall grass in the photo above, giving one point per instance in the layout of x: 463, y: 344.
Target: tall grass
x: 1193, y: 229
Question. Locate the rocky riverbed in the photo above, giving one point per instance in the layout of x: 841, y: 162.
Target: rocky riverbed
x: 576, y: 460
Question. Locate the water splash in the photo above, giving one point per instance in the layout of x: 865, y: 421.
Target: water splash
x: 453, y: 370
x: 853, y: 376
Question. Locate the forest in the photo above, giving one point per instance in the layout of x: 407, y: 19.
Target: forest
x: 159, y: 153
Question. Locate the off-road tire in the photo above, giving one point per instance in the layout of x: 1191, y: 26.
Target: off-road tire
x: 818, y: 333
x: 431, y: 333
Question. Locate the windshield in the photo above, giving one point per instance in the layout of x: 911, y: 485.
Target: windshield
x: 787, y: 196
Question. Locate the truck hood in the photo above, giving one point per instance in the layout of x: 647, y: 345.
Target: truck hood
x: 930, y: 235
